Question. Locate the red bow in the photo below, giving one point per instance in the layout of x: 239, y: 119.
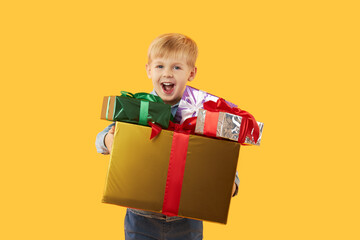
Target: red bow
x: 188, y: 126
x: 249, y: 126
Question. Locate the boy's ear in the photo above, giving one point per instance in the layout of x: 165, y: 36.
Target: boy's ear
x: 192, y: 74
x: 148, y: 70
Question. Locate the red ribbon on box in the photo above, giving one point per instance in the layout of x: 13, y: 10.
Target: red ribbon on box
x: 188, y: 126
x: 248, y: 127
x: 176, y: 167
x: 155, y: 129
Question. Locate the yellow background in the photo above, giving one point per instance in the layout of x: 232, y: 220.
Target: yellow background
x: 293, y: 64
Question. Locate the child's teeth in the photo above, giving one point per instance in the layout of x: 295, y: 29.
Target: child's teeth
x: 167, y: 86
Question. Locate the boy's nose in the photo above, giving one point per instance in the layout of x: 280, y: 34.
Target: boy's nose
x: 167, y: 73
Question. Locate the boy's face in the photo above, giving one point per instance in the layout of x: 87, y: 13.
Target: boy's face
x: 169, y: 77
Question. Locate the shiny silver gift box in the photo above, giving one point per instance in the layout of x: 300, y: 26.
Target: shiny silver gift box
x: 228, y: 127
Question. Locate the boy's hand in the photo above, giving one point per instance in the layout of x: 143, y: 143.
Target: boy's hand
x: 233, y: 190
x: 109, y: 138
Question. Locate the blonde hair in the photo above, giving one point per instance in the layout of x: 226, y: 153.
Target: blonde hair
x: 174, y: 45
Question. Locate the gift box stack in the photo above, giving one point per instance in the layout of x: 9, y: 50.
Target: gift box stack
x: 185, y: 169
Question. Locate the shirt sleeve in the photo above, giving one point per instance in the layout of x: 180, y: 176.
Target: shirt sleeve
x: 99, y: 142
x: 237, y: 182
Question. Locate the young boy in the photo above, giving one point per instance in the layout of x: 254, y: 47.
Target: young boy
x: 171, y: 64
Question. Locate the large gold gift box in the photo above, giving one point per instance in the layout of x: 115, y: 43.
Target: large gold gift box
x: 138, y: 170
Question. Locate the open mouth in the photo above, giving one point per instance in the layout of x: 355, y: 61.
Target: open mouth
x: 168, y: 88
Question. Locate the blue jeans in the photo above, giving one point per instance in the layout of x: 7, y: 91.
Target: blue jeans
x: 143, y: 226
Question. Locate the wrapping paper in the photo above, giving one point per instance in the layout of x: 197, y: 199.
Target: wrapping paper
x: 137, y: 179
x: 126, y: 109
x: 228, y: 126
x: 191, y: 101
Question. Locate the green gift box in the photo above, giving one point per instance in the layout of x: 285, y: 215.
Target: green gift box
x: 139, y: 108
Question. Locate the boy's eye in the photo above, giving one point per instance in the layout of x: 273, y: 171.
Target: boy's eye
x: 177, y: 67
x: 159, y: 66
